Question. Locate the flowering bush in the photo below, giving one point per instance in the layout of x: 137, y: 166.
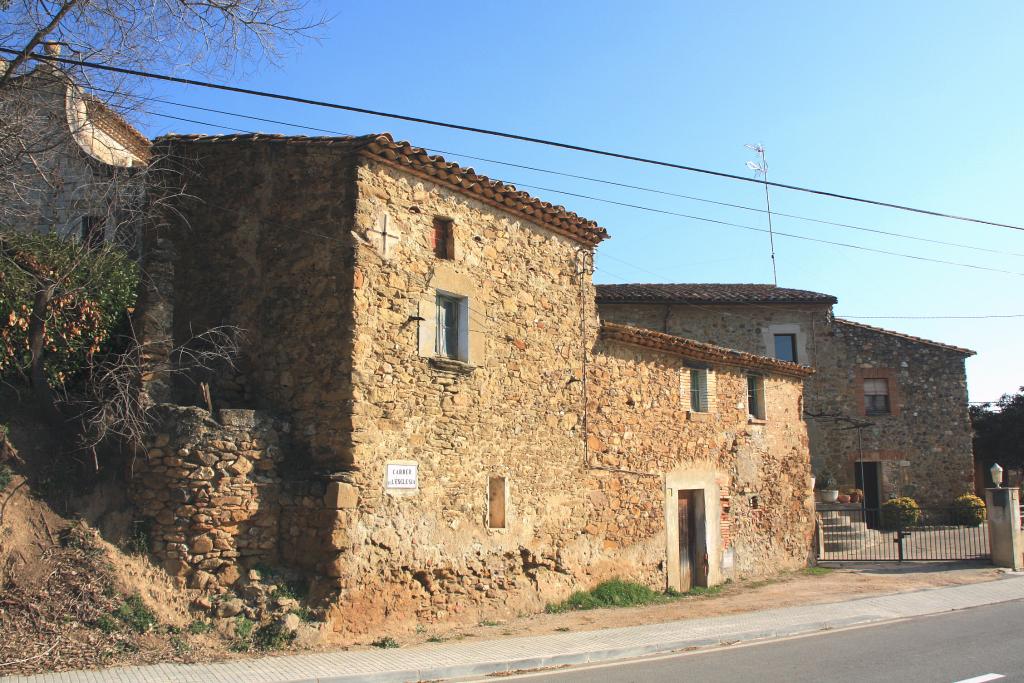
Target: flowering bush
x: 92, y: 290
x: 900, y: 513
x: 969, y: 510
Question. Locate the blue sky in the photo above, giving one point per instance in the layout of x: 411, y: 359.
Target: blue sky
x: 914, y: 103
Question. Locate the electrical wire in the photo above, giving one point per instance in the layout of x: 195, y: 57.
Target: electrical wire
x: 506, y: 135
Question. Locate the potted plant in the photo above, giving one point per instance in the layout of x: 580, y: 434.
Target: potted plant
x: 827, y: 487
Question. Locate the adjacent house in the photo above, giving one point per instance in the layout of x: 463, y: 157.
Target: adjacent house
x: 71, y: 170
x: 887, y: 412
x: 428, y: 416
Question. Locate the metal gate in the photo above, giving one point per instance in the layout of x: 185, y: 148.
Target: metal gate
x: 876, y: 535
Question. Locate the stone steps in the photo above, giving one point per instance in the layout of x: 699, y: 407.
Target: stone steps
x: 843, y: 534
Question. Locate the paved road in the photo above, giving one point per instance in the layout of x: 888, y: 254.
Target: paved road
x: 977, y: 645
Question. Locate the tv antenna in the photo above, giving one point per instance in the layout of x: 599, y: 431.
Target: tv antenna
x: 760, y: 169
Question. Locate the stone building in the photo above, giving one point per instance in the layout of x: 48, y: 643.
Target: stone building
x: 68, y: 159
x: 887, y: 412
x: 428, y: 417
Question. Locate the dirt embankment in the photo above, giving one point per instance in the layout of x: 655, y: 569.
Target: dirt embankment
x: 68, y: 598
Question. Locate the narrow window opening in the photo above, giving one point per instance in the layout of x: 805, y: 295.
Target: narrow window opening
x: 699, y: 390
x: 496, y: 503
x: 876, y: 396
x: 755, y: 396
x: 448, y: 312
x: 443, y: 239
x: 92, y: 232
x: 785, y: 347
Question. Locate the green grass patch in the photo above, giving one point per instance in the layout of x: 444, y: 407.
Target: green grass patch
x: 272, y: 636
x: 614, y: 593
x: 817, y: 571
x: 199, y: 626
x: 6, y: 474
x: 106, y: 623
x: 307, y: 615
x: 135, y: 615
x: 386, y: 643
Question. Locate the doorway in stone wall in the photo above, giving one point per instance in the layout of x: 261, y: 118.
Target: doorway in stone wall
x: 692, y: 550
x: 867, y: 476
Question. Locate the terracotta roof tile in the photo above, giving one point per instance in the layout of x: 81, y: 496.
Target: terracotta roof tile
x: 908, y: 337
x: 708, y: 293
x: 700, y: 351
x: 115, y: 125
x: 383, y: 148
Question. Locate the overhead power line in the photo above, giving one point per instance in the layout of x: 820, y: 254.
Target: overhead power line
x: 711, y: 220
x: 506, y: 135
x: 604, y: 181
x: 691, y: 217
x: 782, y: 234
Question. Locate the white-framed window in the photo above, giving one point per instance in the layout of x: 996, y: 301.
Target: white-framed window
x: 452, y: 326
x: 785, y: 347
x: 699, y: 402
x: 755, y: 397
x: 876, y: 396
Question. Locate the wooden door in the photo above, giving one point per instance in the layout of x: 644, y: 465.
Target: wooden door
x: 687, y: 540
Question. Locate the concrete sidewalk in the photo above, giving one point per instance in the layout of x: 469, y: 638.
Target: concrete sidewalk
x: 452, y: 660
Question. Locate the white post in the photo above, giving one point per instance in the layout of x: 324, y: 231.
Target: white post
x: 1004, y: 535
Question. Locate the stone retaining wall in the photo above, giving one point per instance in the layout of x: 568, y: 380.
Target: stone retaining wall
x: 212, y: 492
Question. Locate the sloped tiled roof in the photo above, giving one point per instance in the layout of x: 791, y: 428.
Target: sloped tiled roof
x: 700, y: 351
x: 707, y: 293
x: 415, y: 160
x: 115, y: 125
x: 908, y: 337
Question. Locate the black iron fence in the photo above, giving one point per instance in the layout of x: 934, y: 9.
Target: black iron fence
x: 882, y: 535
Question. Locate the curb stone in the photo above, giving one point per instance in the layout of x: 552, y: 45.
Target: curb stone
x: 506, y: 655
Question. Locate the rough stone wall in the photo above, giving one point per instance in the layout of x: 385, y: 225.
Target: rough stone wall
x: 641, y: 429
x: 735, y: 327
x: 60, y: 184
x: 925, y: 444
x: 212, y: 493
x: 266, y: 247
x: 924, y: 451
x: 513, y: 410
x: 327, y: 263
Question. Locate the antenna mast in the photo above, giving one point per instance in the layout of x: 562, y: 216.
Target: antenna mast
x: 761, y: 169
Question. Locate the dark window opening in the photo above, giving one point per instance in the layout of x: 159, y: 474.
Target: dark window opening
x: 755, y: 396
x: 443, y: 240
x: 876, y: 396
x: 92, y: 231
x: 447, y: 343
x: 785, y: 347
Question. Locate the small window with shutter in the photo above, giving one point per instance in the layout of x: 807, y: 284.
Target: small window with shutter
x: 443, y: 240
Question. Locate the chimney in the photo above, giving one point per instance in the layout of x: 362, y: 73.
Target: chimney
x: 4, y: 65
x: 51, y: 49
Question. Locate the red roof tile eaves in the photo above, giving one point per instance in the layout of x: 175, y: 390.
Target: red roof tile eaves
x: 700, y: 351
x: 707, y: 293
x: 402, y: 155
x: 908, y: 337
